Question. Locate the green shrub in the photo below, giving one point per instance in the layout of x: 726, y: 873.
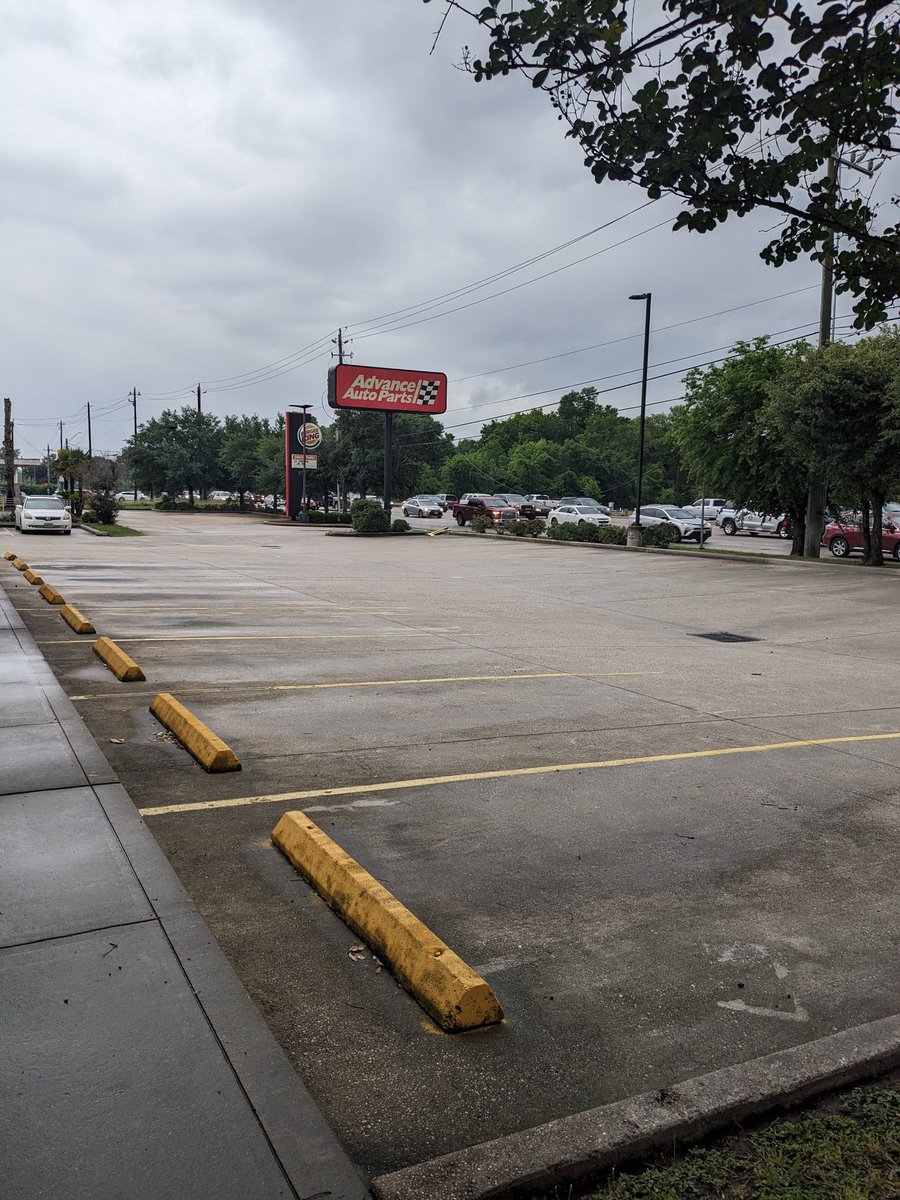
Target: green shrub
x: 481, y: 523
x: 607, y: 535
x: 105, y: 508
x: 400, y: 526
x: 89, y: 517
x: 368, y: 516
x: 317, y: 517
x: 535, y: 527
x: 659, y: 535
x: 520, y: 529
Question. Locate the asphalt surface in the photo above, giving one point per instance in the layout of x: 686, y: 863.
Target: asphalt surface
x: 641, y: 922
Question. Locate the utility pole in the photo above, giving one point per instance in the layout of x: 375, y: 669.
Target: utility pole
x: 90, y: 447
x: 818, y: 488
x: 199, y: 394
x: 60, y: 435
x: 9, y: 455
x: 49, y: 460
x: 340, y: 348
x: 134, y: 395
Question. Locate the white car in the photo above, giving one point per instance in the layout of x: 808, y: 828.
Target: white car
x: 43, y: 514
x: 578, y: 514
x: 742, y: 520
x: 708, y: 509
x: 687, y: 527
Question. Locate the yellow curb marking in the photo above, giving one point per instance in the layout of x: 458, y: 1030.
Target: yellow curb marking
x: 20, y: 564
x: 446, y: 987
x: 76, y: 619
x: 121, y: 664
x: 33, y: 578
x: 511, y: 773
x: 221, y: 688
x: 9, y: 555
x: 198, y: 739
x: 51, y: 595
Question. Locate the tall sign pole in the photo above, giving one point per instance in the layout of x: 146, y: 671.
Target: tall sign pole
x: 389, y: 390
x: 9, y: 455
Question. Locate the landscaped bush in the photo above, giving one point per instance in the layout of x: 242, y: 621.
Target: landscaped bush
x: 105, y: 508
x: 322, y: 518
x: 481, y: 523
x: 530, y: 528
x: 659, y: 535
x: 368, y: 516
x: 400, y: 526
x: 609, y: 535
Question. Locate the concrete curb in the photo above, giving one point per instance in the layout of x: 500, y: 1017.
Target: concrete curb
x: 9, y: 555
x: 51, y: 595
x: 20, y: 564
x: 33, y: 578
x: 75, y: 619
x: 198, y: 739
x: 121, y: 664
x: 446, y: 987
x: 576, y: 1147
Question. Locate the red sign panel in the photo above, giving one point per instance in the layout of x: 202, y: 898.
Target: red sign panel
x: 388, y: 389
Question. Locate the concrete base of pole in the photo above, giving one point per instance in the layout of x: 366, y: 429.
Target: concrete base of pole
x: 635, y: 535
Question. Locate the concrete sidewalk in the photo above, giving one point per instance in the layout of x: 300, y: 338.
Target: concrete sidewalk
x: 134, y: 1063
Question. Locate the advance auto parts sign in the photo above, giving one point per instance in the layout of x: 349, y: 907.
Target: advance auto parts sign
x: 387, y: 389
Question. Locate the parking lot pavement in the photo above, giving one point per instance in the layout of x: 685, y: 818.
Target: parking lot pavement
x: 727, y: 891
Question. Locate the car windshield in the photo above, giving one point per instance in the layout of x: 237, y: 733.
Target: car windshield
x: 679, y: 514
x: 497, y: 500
x: 428, y: 499
x: 515, y: 499
x: 49, y: 502
x: 589, y: 509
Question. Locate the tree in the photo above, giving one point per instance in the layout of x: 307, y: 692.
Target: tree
x: 839, y: 408
x: 728, y: 106
x: 176, y: 452
x: 730, y: 442
x: 270, y: 460
x: 239, y: 452
x: 102, y: 477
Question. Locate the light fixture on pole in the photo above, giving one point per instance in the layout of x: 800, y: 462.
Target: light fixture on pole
x: 634, y: 532
x: 304, y: 512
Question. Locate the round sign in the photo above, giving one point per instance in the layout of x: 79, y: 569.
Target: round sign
x: 309, y: 436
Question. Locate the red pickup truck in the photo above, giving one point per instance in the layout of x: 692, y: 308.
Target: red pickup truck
x: 501, y: 514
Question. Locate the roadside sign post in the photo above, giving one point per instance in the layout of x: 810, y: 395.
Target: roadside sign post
x: 300, y: 436
x: 387, y: 390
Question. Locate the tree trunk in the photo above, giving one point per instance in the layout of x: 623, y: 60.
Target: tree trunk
x: 865, y: 529
x: 875, y: 556
x: 798, y: 536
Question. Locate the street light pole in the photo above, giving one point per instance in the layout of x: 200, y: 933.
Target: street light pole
x: 634, y: 531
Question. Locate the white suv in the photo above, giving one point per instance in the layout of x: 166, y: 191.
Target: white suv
x: 705, y: 508
x: 43, y: 514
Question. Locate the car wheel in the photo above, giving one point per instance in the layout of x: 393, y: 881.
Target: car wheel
x: 729, y: 527
x: 580, y: 522
x: 554, y: 522
x: 839, y: 547
x: 460, y: 519
x: 405, y: 513
x: 677, y: 535
x: 784, y: 530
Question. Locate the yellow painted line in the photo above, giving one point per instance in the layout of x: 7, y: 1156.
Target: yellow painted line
x: 446, y: 987
x: 222, y: 688
x: 198, y: 739
x: 275, y: 637
x: 304, y: 687
x: 511, y: 773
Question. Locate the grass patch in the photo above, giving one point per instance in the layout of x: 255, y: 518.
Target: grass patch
x: 851, y: 1153
x: 113, y: 530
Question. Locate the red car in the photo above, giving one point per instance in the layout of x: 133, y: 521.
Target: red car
x: 842, y: 537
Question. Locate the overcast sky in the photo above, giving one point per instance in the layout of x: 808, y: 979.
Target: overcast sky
x: 196, y: 189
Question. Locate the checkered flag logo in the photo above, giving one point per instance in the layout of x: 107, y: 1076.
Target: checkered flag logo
x: 428, y: 391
